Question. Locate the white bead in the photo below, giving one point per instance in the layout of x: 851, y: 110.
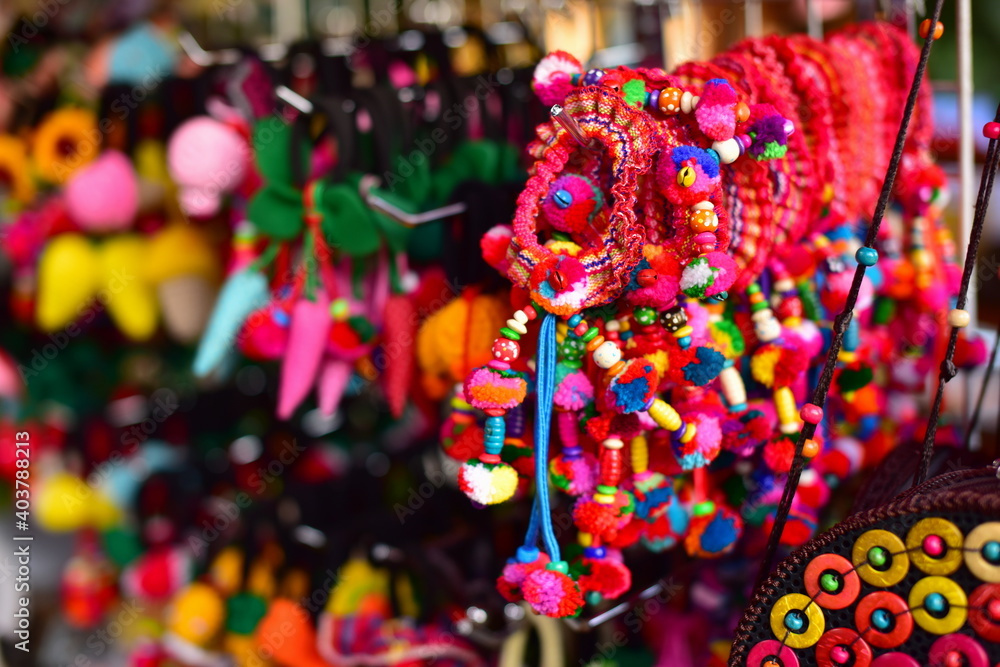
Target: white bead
x: 764, y: 315
x: 607, y: 355
x: 704, y: 206
x: 768, y: 331
x: 958, y: 318
x: 784, y: 285
x: 694, y: 101
x: 521, y: 317
x: 728, y: 150
x: 613, y: 443
x: 517, y: 326
x: 687, y: 102
x: 613, y: 325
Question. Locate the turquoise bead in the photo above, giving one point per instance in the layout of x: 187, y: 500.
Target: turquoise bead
x: 881, y: 620
x: 795, y: 621
x: 991, y: 551
x: 935, y: 603
x: 867, y: 256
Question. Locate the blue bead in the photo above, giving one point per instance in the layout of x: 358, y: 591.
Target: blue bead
x: 881, y: 619
x: 684, y: 341
x: 527, y: 554
x: 594, y: 552
x: 575, y: 319
x: 562, y: 198
x: 795, y: 620
x: 991, y: 551
x: 593, y: 77
x: 739, y: 407
x: 495, y: 428
x: 281, y: 318
x: 935, y: 603
x: 867, y: 256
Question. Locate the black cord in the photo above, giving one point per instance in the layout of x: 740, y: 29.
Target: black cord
x: 843, y: 320
x: 948, y: 370
x: 974, y: 420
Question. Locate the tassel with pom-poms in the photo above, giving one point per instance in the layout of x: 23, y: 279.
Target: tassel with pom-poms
x: 605, y: 575
x: 552, y: 592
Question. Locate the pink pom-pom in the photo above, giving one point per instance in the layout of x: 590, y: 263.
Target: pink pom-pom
x: 571, y: 204
x: 514, y: 573
x: 577, y: 475
x: 488, y: 389
x: 552, y: 593
x: 715, y: 112
x: 207, y: 159
x: 574, y: 392
x: 726, y: 274
x: 553, y: 77
x: 704, y: 447
x: 104, y: 195
x: 494, y: 246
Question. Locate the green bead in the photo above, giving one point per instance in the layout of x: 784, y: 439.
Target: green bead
x: 590, y: 335
x: 753, y: 288
x: 507, y: 332
x: 607, y: 490
x: 558, y: 566
x: 593, y: 598
x: 339, y: 309
x: 760, y: 305
x: 878, y: 556
x: 704, y: 508
x: 644, y: 315
x: 830, y: 582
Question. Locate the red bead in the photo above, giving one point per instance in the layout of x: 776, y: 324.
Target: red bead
x: 994, y: 609
x: 991, y: 130
x: 647, y: 277
x: 581, y: 328
x: 490, y: 458
x: 505, y: 349
x: 811, y: 414
x: 953, y: 659
x: 933, y: 546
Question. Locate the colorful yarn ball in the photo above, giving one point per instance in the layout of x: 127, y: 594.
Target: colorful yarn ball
x: 703, y: 447
x: 552, y: 593
x: 487, y: 388
x: 800, y: 525
x: 603, y: 521
x: 461, y: 441
x: 715, y: 113
x: 743, y: 435
x: 769, y: 132
x: 576, y: 475
x: 713, y: 535
x: 775, y: 365
x: 487, y: 483
x: 708, y: 275
x: 515, y: 572
x: 709, y: 364
x: 572, y: 204
x: 632, y: 389
x: 559, y: 285
x: 552, y: 79
x: 653, y: 492
x: 778, y: 454
x: 702, y: 163
x: 668, y: 529
x: 574, y: 390
x: 607, y: 576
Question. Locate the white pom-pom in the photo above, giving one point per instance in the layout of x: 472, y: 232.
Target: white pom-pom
x: 697, y: 274
x: 554, y: 63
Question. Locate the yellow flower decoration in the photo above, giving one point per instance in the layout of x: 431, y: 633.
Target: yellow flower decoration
x: 14, y: 171
x: 66, y: 140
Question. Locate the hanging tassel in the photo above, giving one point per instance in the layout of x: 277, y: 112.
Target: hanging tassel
x: 550, y: 591
x: 334, y: 375
x: 307, y: 336
x: 243, y: 293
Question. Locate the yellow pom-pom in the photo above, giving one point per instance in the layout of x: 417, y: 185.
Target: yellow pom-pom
x: 762, y: 366
x: 196, y: 614
x: 487, y: 485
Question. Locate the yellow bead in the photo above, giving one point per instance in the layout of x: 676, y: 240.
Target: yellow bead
x: 639, y: 450
x: 898, y: 567
x: 689, y: 433
x: 664, y: 415
x: 958, y: 318
x: 585, y: 539
x: 921, y: 259
x: 952, y: 592
x: 604, y: 498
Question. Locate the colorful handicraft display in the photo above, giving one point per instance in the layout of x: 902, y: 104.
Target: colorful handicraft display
x: 680, y: 243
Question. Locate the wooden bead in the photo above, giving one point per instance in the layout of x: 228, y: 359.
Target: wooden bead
x: 607, y: 354
x: 728, y: 150
x: 595, y: 343
x: 958, y: 318
x: 810, y: 448
x: 613, y: 443
x: 703, y: 221
x: 521, y: 317
x: 925, y: 28
x: 687, y: 101
x: 505, y: 349
x: 670, y: 100
x: 517, y: 326
x: 742, y: 112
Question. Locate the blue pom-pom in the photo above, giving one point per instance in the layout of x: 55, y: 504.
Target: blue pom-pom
x: 707, y: 159
x: 631, y: 396
x: 710, y: 364
x: 719, y: 534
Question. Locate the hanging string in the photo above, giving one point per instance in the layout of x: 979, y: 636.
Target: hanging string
x: 974, y: 419
x: 843, y: 320
x: 546, y: 381
x: 948, y: 370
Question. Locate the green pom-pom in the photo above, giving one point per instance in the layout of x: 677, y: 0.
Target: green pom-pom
x: 773, y: 150
x: 635, y: 92
x: 852, y: 379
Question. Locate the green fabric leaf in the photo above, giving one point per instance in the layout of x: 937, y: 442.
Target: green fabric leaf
x: 348, y: 223
x: 277, y: 212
